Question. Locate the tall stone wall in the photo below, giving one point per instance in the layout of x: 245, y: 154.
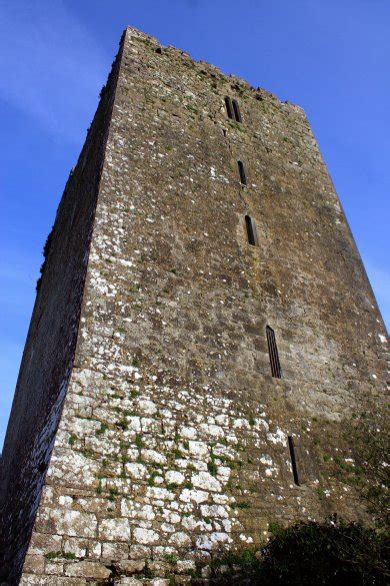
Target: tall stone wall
x: 50, y: 347
x: 173, y: 440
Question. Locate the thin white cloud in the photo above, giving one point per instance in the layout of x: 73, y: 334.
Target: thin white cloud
x: 51, y: 67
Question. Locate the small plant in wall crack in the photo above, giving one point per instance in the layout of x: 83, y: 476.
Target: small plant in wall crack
x: 212, y: 467
x: 139, y: 441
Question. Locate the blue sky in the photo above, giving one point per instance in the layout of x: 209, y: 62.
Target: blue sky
x: 330, y: 57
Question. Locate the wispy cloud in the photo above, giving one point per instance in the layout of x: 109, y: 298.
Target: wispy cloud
x: 18, y: 274
x: 51, y: 67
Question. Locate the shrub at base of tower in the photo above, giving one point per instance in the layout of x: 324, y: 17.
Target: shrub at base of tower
x: 334, y: 553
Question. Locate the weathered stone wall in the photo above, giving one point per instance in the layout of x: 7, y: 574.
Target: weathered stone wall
x: 49, y: 352
x: 173, y: 438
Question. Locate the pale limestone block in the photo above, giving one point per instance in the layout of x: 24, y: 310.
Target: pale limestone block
x: 64, y: 522
x: 180, y: 539
x: 214, y: 511
x: 207, y: 481
x: 145, y: 536
x: 172, y: 476
x: 197, y: 496
x: 198, y: 449
x: 114, y: 529
x: 112, y: 550
x: 86, y: 569
x: 136, y: 470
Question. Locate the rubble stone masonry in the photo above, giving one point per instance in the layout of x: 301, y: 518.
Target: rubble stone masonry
x: 147, y: 430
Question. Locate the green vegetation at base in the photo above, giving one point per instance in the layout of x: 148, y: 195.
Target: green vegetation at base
x: 332, y: 553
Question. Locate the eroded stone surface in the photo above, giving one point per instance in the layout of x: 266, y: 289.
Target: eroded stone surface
x: 172, y: 443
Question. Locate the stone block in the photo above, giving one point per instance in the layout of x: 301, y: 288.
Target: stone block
x: 87, y: 569
x: 34, y: 564
x: 114, y: 530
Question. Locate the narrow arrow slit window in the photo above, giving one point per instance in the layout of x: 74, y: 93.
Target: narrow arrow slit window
x: 241, y: 170
x: 293, y: 457
x: 229, y: 107
x: 251, y: 231
x: 276, y: 369
x: 237, y: 113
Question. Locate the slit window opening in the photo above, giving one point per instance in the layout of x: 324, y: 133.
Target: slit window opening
x: 241, y: 170
x: 293, y: 457
x: 229, y: 107
x: 276, y: 369
x: 237, y: 112
x: 251, y: 231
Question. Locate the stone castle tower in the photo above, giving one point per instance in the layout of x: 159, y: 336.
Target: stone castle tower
x: 202, y: 331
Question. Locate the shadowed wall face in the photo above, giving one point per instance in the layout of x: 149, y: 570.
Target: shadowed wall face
x: 50, y: 348
x: 174, y: 438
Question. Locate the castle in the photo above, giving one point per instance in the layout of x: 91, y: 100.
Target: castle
x: 202, y: 331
